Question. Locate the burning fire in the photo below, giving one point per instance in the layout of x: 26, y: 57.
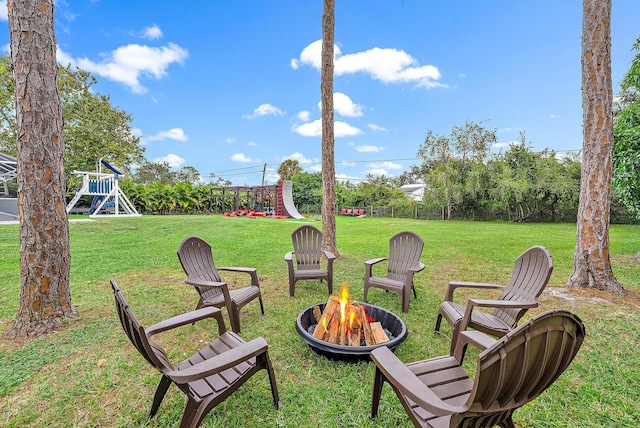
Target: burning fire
x: 344, y: 321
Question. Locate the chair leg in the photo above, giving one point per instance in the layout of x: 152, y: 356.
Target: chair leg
x: 507, y: 423
x: 261, y: 305
x: 366, y: 291
x: 193, y: 414
x: 164, y: 385
x: 406, y: 295
x: 413, y: 287
x: 234, y: 318
x: 454, y: 336
x: 438, y: 321
x: 378, y: 381
x: 272, y: 381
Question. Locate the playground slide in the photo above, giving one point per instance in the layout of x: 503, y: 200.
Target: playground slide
x: 287, y: 200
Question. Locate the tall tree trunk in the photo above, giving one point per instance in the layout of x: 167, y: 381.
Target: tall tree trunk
x: 328, y: 164
x: 591, y: 264
x: 45, y: 298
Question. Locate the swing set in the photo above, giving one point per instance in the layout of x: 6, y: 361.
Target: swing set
x: 108, y: 198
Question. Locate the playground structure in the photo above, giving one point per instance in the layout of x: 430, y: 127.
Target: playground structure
x: 265, y: 201
x: 8, y: 206
x: 7, y: 172
x: 108, y: 198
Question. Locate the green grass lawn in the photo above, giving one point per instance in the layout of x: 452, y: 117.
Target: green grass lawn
x: 89, y: 374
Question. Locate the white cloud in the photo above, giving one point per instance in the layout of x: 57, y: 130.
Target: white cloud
x: 501, y: 145
x: 511, y: 130
x: 345, y: 177
x: 240, y: 157
x: 376, y: 128
x: 390, y: 165
x: 303, y: 115
x: 348, y: 163
x: 264, y: 110
x: 314, y: 129
x: 554, y: 116
x: 63, y: 58
x: 230, y: 140
x: 251, y: 143
x: 367, y: 148
x: 4, y: 16
x: 127, y: 64
x: 315, y: 168
x: 385, y: 64
x: 300, y: 158
x: 312, y: 55
x: 174, y: 161
x: 343, y: 105
x: 172, y: 134
x: 152, y: 32
x: 382, y: 168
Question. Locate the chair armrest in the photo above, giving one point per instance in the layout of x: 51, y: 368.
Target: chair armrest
x: 203, y: 282
x: 503, y: 303
x: 476, y: 338
x: 288, y: 257
x: 184, y: 319
x: 329, y: 255
x: 374, y: 261
x: 220, y: 362
x: 253, y: 272
x: 416, y: 268
x: 368, y: 267
x: 453, y: 285
x: 464, y: 323
x: 409, y: 384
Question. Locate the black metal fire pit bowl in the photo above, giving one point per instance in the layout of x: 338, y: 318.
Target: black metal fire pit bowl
x: 391, y: 323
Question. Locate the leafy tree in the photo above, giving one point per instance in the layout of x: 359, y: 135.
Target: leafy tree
x: 376, y: 191
x: 188, y: 174
x: 448, y: 160
x: 307, y: 189
x: 289, y: 168
x: 151, y: 172
x: 591, y: 263
x: 45, y: 296
x: 93, y: 127
x: 626, y: 134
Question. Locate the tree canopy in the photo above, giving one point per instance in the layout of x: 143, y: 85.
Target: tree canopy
x: 93, y: 127
x: 626, y: 134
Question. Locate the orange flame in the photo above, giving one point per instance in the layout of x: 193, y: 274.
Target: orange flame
x: 344, y: 300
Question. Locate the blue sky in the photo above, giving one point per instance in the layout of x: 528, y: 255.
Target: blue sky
x: 229, y: 86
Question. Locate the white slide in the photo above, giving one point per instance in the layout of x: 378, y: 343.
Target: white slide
x: 287, y: 200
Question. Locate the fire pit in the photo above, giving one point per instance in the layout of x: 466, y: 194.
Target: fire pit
x: 393, y: 327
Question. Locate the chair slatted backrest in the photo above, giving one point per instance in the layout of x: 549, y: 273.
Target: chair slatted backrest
x: 405, y: 249
x: 522, y: 364
x: 531, y: 274
x: 307, y: 247
x: 196, y: 259
x: 152, y: 352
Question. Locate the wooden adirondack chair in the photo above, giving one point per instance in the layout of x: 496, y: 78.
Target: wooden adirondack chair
x: 510, y: 372
x: 196, y: 259
x: 405, y: 249
x: 530, y: 276
x: 308, y: 252
x: 210, y: 375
